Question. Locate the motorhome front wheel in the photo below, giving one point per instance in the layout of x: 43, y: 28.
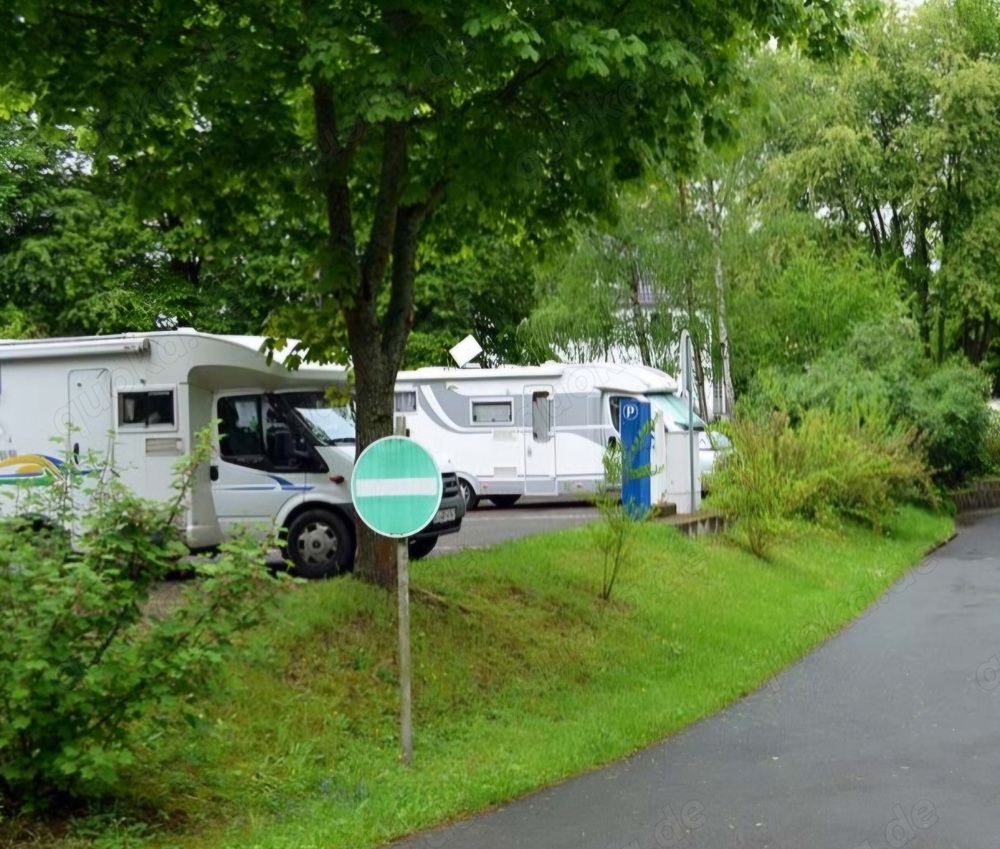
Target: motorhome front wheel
x: 468, y: 494
x: 319, y: 544
x: 420, y: 547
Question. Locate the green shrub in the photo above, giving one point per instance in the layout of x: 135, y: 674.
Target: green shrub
x: 751, y: 486
x: 991, y: 444
x: 949, y: 409
x: 83, y: 657
x: 883, y: 366
x: 857, y: 466
x: 853, y: 466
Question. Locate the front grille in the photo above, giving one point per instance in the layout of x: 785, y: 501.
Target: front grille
x: 449, y: 482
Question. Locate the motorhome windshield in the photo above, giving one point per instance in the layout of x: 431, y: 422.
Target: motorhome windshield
x: 329, y: 423
x: 676, y: 408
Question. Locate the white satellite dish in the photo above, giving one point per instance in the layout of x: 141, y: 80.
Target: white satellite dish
x: 466, y: 351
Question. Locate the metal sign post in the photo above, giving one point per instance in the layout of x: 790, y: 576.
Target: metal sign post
x: 405, y: 702
x: 403, y: 598
x: 396, y: 488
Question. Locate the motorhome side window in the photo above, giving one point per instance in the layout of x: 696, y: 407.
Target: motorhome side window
x: 240, y: 430
x: 492, y: 412
x: 143, y: 409
x: 406, y: 402
x: 541, y: 416
x: 255, y: 432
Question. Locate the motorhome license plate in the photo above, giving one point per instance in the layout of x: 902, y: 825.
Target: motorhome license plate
x: 445, y: 515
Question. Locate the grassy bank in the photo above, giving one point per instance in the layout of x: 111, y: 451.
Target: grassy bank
x: 522, y: 677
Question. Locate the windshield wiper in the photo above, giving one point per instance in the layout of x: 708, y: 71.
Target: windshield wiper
x: 342, y: 440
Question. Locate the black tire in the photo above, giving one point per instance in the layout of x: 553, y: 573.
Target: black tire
x: 420, y: 547
x: 468, y: 495
x: 319, y: 544
x: 504, y: 500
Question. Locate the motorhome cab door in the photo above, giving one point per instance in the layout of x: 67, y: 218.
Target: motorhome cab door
x: 540, y: 442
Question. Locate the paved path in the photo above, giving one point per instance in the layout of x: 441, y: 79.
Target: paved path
x: 886, y: 736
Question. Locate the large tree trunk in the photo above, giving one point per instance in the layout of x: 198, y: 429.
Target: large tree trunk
x: 356, y: 283
x: 377, y: 348
x: 376, y: 344
x: 374, y: 388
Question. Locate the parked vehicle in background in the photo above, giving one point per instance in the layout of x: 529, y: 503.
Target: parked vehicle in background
x: 513, y: 431
x: 283, y: 455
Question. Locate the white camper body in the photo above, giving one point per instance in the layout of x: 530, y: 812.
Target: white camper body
x: 543, y: 430
x: 282, y: 456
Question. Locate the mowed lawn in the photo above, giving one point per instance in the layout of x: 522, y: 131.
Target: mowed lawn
x: 523, y: 676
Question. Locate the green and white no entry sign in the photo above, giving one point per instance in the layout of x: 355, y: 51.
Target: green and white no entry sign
x: 396, y: 487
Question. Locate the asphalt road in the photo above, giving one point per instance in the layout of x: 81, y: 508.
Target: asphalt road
x: 488, y: 525
x: 885, y: 736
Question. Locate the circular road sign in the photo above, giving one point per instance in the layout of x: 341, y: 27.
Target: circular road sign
x: 396, y: 487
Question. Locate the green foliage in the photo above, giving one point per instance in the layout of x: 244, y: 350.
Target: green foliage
x: 949, y: 410
x: 630, y: 285
x: 614, y: 535
x: 899, y: 149
x: 486, y: 289
x: 883, y: 364
x: 76, y: 259
x: 991, y: 445
x: 796, y: 296
x: 854, y: 466
x: 750, y: 485
x: 85, y: 656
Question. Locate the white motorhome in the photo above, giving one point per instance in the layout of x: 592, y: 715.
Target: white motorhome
x: 282, y: 454
x: 543, y: 430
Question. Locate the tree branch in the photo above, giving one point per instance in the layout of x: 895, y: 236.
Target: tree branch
x: 342, y: 269
x: 383, y: 229
x: 520, y: 80
x: 399, y: 314
x: 97, y: 20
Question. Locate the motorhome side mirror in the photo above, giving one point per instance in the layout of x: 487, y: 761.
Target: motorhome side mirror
x: 213, y: 473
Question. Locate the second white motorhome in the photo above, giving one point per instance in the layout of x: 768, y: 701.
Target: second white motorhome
x: 537, y: 430
x: 282, y: 454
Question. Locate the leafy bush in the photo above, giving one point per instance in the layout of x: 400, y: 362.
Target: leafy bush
x: 854, y: 466
x: 750, y: 486
x: 949, y: 409
x: 883, y: 365
x: 83, y: 656
x: 991, y: 445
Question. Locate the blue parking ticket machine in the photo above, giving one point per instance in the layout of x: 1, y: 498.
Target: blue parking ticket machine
x: 637, y: 440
